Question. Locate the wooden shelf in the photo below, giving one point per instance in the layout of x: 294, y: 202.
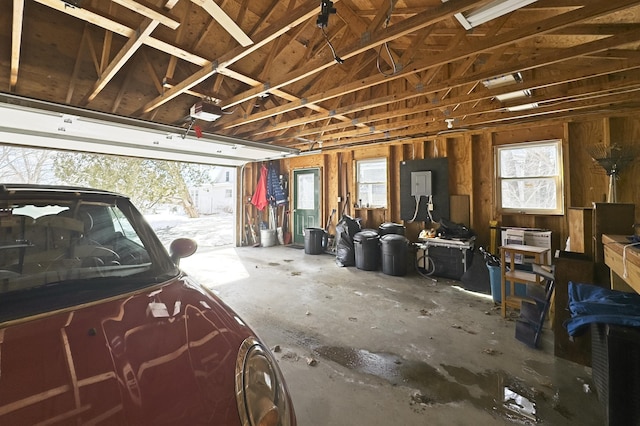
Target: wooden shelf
x: 522, y: 277
x: 508, y: 272
x: 515, y: 301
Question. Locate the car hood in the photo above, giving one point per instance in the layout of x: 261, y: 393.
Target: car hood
x: 162, y: 356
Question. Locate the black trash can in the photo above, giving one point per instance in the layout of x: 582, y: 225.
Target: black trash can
x: 394, y: 250
x: 391, y: 228
x: 366, y: 247
x: 313, y: 240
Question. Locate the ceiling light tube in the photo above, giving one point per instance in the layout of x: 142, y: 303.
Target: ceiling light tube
x: 522, y: 107
x: 514, y: 95
x: 503, y: 80
x: 490, y: 12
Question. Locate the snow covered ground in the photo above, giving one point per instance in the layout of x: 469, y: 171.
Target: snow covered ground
x: 215, y: 230
x: 216, y: 261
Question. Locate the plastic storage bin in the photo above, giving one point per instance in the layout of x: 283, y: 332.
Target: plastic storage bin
x: 495, y: 280
x: 313, y: 240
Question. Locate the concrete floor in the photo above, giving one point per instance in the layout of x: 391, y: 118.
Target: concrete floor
x: 393, y: 350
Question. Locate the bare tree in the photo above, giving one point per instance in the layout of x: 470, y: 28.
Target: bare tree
x: 26, y: 165
x: 148, y: 182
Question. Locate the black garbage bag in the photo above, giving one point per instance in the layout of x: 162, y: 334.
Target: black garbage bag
x: 476, y: 278
x: 346, y: 229
x: 451, y: 230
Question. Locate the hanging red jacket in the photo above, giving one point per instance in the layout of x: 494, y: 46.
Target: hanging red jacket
x: 259, y: 198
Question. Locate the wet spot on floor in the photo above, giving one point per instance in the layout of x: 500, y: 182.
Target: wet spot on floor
x: 495, y: 392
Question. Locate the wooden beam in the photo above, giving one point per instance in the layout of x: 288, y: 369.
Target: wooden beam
x: 275, y: 30
x: 225, y: 21
x: 547, y: 26
x: 16, y: 42
x: 173, y: 60
x: 150, y: 11
x: 106, y: 46
x: 583, y: 74
x: 84, y: 41
x: 417, y: 22
x: 272, y: 32
x: 86, y: 14
x: 133, y: 44
x: 121, y: 58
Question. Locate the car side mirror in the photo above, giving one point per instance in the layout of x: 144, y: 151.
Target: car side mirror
x: 181, y: 248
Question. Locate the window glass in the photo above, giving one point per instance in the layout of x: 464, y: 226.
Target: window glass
x: 530, y: 177
x: 121, y: 224
x: 372, y: 182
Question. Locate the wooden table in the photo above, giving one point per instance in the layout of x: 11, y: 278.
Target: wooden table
x: 508, y: 272
x: 617, y: 260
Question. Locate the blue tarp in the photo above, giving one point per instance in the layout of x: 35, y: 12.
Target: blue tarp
x: 589, y: 303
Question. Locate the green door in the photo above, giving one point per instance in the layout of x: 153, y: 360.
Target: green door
x: 306, y: 202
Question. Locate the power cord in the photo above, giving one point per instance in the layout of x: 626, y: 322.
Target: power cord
x: 394, y: 66
x: 333, y: 51
x: 415, y: 213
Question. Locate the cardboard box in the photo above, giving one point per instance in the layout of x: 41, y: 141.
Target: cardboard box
x: 529, y: 237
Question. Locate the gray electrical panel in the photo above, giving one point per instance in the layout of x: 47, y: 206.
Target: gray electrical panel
x: 421, y: 184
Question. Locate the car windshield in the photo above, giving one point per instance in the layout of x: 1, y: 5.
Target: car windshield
x: 77, y: 243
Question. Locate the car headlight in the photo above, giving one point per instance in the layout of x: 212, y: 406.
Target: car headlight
x: 260, y: 390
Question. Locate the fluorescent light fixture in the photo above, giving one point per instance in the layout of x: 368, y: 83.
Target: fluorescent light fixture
x: 504, y: 80
x: 489, y: 12
x: 33, y: 123
x: 514, y: 95
x: 522, y: 107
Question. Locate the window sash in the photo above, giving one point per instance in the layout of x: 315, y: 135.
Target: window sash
x: 372, y: 182
x: 529, y: 178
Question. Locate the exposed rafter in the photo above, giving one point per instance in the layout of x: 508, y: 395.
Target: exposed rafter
x: 271, y: 69
x: 16, y: 41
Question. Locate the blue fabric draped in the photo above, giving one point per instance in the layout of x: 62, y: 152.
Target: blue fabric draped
x: 589, y: 303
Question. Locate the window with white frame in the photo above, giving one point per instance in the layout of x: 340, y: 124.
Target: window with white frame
x: 372, y: 182
x: 529, y: 178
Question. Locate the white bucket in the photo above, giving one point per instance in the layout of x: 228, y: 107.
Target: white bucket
x: 267, y: 237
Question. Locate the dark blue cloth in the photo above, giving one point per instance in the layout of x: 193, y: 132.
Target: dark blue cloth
x: 275, y: 193
x: 589, y: 303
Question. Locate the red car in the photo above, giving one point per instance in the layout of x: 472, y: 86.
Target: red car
x: 98, y: 325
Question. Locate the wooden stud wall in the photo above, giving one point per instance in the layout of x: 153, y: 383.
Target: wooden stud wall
x: 472, y: 172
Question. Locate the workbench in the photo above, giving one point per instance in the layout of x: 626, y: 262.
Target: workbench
x: 623, y: 259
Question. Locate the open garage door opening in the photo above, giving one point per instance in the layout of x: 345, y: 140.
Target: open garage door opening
x: 177, y: 198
